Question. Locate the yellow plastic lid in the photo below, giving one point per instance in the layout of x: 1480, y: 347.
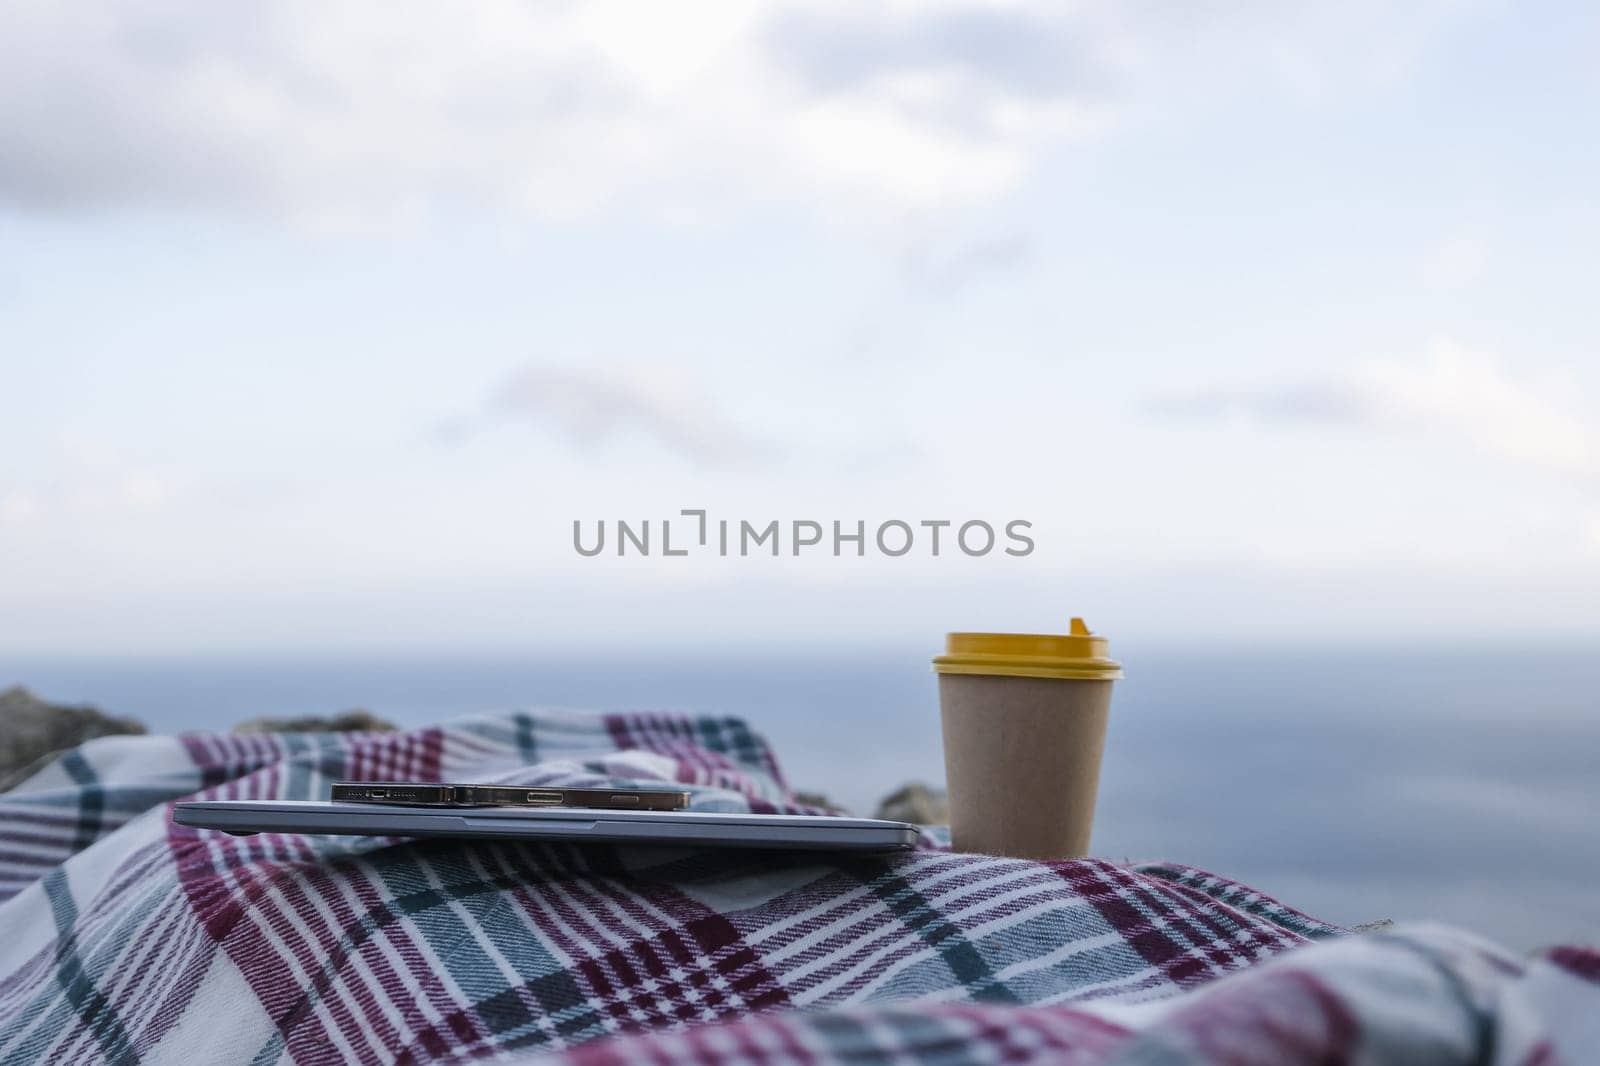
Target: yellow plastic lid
x: 1078, y: 655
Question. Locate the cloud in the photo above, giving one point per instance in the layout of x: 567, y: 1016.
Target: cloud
x: 1471, y: 394
x: 1455, y: 264
x: 361, y: 113
x: 946, y: 269
x: 1299, y: 403
x: 1011, y: 47
x: 596, y: 407
x: 1451, y: 391
x: 18, y: 506
x: 354, y: 111
x: 88, y: 494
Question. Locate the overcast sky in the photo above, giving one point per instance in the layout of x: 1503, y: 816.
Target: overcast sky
x: 321, y: 322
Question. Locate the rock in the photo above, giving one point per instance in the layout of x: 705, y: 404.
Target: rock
x: 34, y: 731
x: 916, y: 803
x: 352, y: 721
x: 817, y: 799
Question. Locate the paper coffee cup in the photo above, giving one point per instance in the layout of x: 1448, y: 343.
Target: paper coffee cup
x: 1024, y: 726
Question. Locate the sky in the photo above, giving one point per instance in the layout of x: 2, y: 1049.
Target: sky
x: 321, y: 323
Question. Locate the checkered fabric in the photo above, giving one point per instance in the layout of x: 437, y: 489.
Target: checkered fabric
x: 125, y: 938
x: 1418, y: 995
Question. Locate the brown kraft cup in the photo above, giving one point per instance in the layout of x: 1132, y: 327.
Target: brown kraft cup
x: 1024, y: 727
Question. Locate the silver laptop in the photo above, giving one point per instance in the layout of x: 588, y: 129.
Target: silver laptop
x: 575, y: 824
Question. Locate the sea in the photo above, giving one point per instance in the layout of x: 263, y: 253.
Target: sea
x: 1423, y: 784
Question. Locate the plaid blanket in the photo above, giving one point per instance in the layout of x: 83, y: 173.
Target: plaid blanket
x: 125, y: 938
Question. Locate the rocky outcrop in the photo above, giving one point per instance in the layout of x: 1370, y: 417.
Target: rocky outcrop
x: 352, y: 721
x: 34, y: 731
x: 817, y: 799
x: 916, y: 803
